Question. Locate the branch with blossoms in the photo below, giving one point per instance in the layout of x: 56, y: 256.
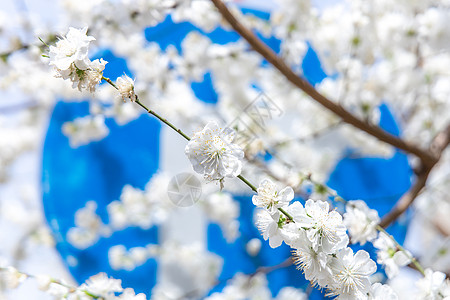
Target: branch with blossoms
x: 428, y: 157
x: 317, y: 235
x: 346, y: 116
x: 98, y: 287
x: 386, y: 52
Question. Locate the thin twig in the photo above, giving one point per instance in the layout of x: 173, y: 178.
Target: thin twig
x: 414, y: 261
x: 180, y: 132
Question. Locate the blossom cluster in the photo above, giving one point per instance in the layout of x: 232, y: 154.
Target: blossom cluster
x: 70, y: 58
x: 213, y: 153
x: 147, y: 208
x: 319, y: 240
x: 99, y: 286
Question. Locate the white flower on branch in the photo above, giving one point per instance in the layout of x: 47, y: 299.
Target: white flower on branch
x: 361, y: 221
x: 44, y: 282
x: 325, y: 229
x: 222, y: 209
x: 270, y: 198
x: 84, y: 130
x: 433, y: 286
x: 278, y: 227
x: 11, y: 278
x: 88, y: 227
x: 125, y: 85
x: 270, y: 227
x: 101, y: 285
x: 72, y: 50
x: 351, y: 274
x: 71, y: 61
x: 312, y: 263
x: 380, y: 291
x: 390, y: 256
x: 243, y: 286
x: 213, y: 154
x: 129, y: 294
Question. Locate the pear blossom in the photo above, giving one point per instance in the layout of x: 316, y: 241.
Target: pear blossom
x: 70, y: 58
x: 269, y: 226
x: 83, y: 130
x: 325, y: 229
x: 101, y: 285
x: 380, y: 291
x: 389, y: 255
x: 43, y: 282
x: 433, y: 286
x: 88, y: 227
x: 253, y: 246
x: 190, y: 264
x: 125, y: 85
x: 85, y: 79
x: 11, y: 278
x: 213, y: 154
x: 270, y: 198
x: 312, y: 263
x: 351, y: 274
x: 361, y: 221
x: 243, y: 286
x: 222, y: 209
x: 71, y: 52
x: 278, y: 227
x: 291, y: 293
x: 129, y: 294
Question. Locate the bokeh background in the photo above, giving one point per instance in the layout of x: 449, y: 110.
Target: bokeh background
x: 51, y: 184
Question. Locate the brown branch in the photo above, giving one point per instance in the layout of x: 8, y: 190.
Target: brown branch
x: 440, y: 142
x: 406, y: 200
x: 260, y: 47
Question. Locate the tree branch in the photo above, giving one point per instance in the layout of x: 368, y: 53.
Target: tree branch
x: 260, y: 47
x: 440, y: 142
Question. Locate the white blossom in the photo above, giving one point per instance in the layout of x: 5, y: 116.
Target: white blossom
x: 88, y: 227
x: 101, y: 285
x: 278, y: 227
x: 253, y: 246
x: 390, y: 256
x: 269, y: 227
x: 44, y: 282
x: 213, y: 154
x: 72, y: 50
x: 84, y: 130
x: 11, y: 278
x: 325, y: 229
x: 129, y: 294
x: 119, y: 258
x: 361, y: 221
x: 71, y: 61
x: 380, y: 291
x: 433, y: 286
x: 244, y: 287
x: 351, y: 274
x: 291, y: 293
x: 223, y: 209
x: 270, y: 198
x: 190, y: 265
x: 312, y: 263
x: 125, y: 85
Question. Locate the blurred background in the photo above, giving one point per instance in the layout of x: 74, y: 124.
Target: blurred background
x: 76, y: 201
